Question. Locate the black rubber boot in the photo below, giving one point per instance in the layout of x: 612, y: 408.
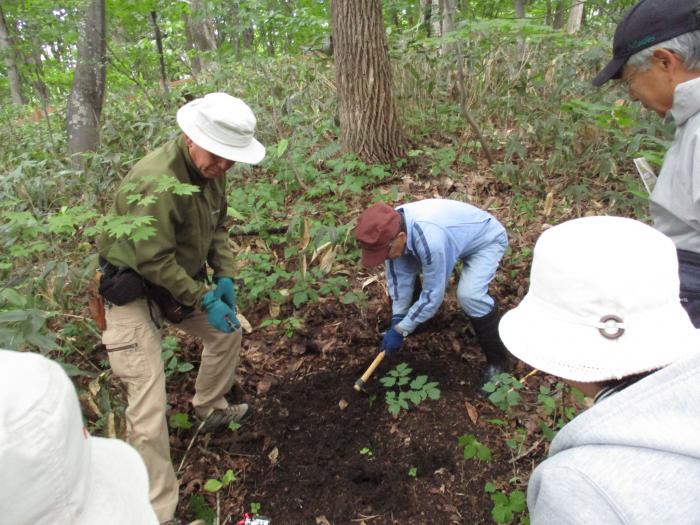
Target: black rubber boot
x: 498, y: 359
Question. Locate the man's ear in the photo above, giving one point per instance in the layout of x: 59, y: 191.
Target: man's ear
x: 667, y: 60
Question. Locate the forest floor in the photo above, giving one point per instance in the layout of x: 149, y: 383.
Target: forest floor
x: 317, y: 451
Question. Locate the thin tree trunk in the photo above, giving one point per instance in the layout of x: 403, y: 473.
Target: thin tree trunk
x: 558, y: 21
x: 10, y: 62
x: 369, y: 124
x: 195, y: 62
x: 575, y: 17
x: 87, y: 93
x: 161, y: 59
x: 436, y: 18
x: 448, y: 24
x: 426, y: 7
x: 519, y: 8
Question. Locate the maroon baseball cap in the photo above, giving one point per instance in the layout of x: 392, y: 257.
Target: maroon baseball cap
x: 376, y: 228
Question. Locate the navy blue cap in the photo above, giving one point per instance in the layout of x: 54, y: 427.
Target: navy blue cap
x: 648, y: 23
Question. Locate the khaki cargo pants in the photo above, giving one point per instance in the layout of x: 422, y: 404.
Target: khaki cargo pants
x: 133, y: 346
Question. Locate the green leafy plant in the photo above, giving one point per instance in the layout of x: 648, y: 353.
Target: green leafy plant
x: 171, y: 347
x: 413, y: 472
x: 473, y: 448
x: 180, y: 420
x: 255, y: 508
x: 507, y: 506
x: 215, y: 485
x: 365, y: 451
x: 503, y: 391
x: 407, y: 389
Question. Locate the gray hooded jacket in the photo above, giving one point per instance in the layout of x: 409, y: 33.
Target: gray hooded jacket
x: 633, y: 458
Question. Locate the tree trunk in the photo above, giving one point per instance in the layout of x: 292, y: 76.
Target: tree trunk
x: 448, y: 24
x: 8, y: 51
x: 195, y: 62
x: 426, y: 7
x: 161, y: 58
x: 87, y: 93
x: 558, y: 21
x: 519, y: 8
x: 369, y: 124
x: 575, y: 17
x: 436, y: 18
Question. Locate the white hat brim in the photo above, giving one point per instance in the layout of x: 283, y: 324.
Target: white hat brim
x: 579, y: 352
x: 253, y: 153
x: 118, y: 486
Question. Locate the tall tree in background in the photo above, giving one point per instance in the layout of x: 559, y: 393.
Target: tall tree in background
x: 87, y: 93
x: 8, y: 52
x: 369, y: 124
x: 575, y: 16
x: 200, y: 33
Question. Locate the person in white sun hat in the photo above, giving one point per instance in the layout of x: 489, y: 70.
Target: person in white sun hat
x: 52, y: 472
x: 603, y: 313
x: 167, y: 275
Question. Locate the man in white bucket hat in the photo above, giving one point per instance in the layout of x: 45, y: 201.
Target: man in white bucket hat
x: 52, y: 472
x: 603, y: 313
x: 166, y: 275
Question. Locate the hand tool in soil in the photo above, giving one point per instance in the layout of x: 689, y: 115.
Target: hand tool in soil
x: 360, y: 383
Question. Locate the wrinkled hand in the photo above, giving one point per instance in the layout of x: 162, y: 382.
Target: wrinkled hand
x: 396, y: 319
x: 226, y: 291
x: 219, y: 314
x: 393, y: 341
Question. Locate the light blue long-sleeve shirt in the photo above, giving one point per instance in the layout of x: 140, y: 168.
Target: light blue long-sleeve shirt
x: 439, y: 232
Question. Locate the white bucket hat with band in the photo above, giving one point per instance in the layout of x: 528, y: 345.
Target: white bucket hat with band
x: 603, y: 303
x: 222, y: 125
x: 51, y: 470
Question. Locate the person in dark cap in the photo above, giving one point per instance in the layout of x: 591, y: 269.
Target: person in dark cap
x: 427, y: 238
x: 656, y: 55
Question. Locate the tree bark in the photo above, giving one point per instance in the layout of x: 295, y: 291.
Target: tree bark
x: 558, y: 21
x: 87, y: 93
x: 575, y: 17
x: 436, y: 18
x: 161, y: 58
x: 519, y: 8
x: 426, y: 7
x: 448, y: 24
x: 369, y: 124
x: 8, y: 51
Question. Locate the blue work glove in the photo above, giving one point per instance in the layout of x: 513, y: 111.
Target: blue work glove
x: 396, y: 319
x: 226, y: 291
x: 219, y: 314
x: 392, y: 342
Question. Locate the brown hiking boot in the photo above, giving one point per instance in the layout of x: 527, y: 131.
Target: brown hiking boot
x: 219, y: 418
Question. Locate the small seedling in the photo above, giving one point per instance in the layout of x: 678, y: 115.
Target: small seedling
x: 505, y: 506
x: 371, y: 399
x: 413, y: 472
x: 503, y: 391
x: 366, y: 452
x: 215, y: 485
x: 416, y: 390
x: 180, y: 420
x: 474, y: 449
x: 171, y: 347
x: 255, y: 508
x: 233, y: 426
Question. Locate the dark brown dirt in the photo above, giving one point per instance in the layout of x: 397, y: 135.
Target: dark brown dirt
x: 301, y: 454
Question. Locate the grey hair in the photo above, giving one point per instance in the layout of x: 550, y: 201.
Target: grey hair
x: 687, y: 46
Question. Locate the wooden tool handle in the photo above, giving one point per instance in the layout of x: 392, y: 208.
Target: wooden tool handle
x: 360, y: 382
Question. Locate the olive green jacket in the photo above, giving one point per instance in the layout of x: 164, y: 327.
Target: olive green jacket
x: 190, y: 229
